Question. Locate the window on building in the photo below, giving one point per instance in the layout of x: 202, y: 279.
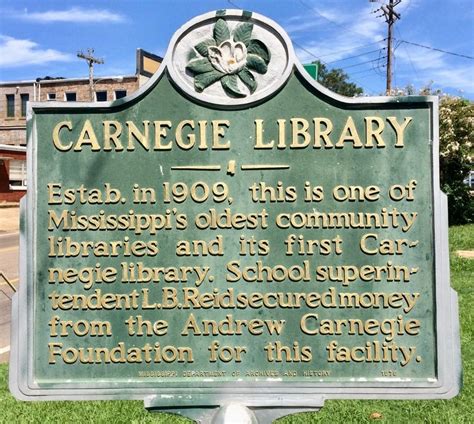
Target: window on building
x: 101, y: 96
x: 17, y: 174
x: 120, y: 93
x: 24, y: 100
x: 51, y: 96
x: 70, y: 97
x: 10, y: 105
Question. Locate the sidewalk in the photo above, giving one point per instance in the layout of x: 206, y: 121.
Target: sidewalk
x: 9, y: 218
x: 9, y: 224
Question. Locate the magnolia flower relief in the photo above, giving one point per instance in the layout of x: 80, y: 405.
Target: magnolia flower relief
x: 229, y: 57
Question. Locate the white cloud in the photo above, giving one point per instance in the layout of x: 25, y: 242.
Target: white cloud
x: 333, y: 34
x: 314, y: 20
x: 331, y: 15
x: 16, y: 53
x: 420, y: 58
x: 334, y: 43
x: 339, y: 38
x: 298, y: 26
x: 429, y: 65
x: 460, y: 79
x: 73, y: 15
x: 368, y: 26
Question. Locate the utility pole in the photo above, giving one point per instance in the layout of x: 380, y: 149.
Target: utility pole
x: 90, y: 59
x: 391, y: 16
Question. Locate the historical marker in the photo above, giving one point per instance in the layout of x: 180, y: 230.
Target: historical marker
x: 234, y: 232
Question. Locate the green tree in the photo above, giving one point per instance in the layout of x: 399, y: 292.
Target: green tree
x: 337, y: 80
x: 456, y: 134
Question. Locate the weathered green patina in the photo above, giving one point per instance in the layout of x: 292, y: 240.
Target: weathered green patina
x: 292, y: 245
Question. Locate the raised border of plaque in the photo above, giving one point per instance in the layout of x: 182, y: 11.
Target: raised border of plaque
x: 281, y: 397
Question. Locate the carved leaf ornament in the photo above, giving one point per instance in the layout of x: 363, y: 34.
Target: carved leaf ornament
x: 229, y: 57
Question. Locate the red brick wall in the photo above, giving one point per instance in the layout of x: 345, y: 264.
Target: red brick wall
x: 81, y: 88
x: 7, y: 195
x: 13, y: 130
x: 12, y: 196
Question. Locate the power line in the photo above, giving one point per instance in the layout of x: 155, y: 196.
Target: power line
x: 363, y: 63
x: 91, y: 60
x: 395, y: 58
x: 233, y: 4
x: 333, y: 53
x: 357, y: 55
x: 378, y: 69
x: 438, y: 50
x: 307, y: 51
x: 328, y: 19
x: 354, y: 48
x: 319, y: 13
x: 391, y: 16
x: 408, y: 53
x: 368, y: 89
x: 329, y: 54
x: 409, y: 5
x: 294, y: 42
x: 365, y: 76
x: 368, y: 70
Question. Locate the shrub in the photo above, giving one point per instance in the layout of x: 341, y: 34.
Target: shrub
x: 456, y: 130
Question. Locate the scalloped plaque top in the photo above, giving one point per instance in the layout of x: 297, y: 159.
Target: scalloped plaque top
x: 230, y: 58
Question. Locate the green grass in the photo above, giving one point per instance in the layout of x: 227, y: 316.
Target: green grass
x: 457, y: 410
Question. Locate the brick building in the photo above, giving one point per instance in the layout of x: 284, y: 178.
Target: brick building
x: 14, y: 96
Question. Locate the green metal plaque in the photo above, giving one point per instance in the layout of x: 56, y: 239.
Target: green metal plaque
x: 234, y: 231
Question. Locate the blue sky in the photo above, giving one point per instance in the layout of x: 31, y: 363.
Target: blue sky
x: 39, y: 38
